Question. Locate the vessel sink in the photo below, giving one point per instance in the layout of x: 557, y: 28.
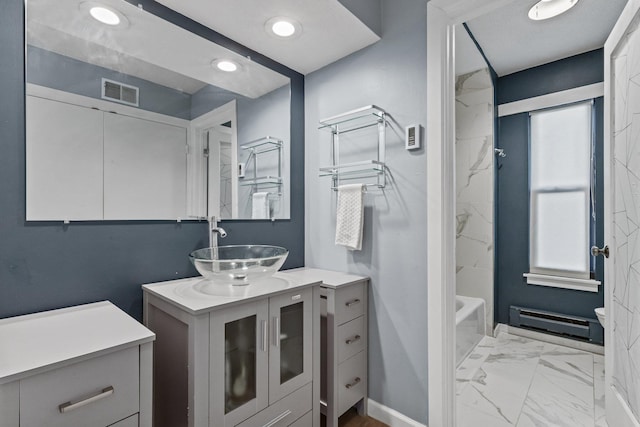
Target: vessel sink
x: 238, y: 265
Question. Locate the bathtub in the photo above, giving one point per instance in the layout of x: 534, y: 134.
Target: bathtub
x: 470, y: 325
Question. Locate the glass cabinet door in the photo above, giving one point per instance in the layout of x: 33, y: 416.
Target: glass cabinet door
x: 239, y: 357
x: 290, y: 361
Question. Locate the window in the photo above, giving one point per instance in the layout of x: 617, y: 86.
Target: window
x: 560, y: 194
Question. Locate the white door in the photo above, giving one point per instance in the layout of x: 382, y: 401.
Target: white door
x: 622, y: 226
x: 221, y: 175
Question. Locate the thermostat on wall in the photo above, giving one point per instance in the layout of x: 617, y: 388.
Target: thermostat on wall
x: 412, y: 135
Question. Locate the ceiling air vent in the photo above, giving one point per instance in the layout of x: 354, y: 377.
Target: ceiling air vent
x: 119, y: 92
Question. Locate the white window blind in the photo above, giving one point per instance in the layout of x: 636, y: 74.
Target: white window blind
x: 560, y: 190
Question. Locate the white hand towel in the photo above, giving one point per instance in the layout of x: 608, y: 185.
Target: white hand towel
x: 350, y: 216
x: 260, y: 205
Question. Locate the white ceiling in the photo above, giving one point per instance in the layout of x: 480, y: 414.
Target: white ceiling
x: 329, y: 30
x: 148, y: 48
x: 512, y: 42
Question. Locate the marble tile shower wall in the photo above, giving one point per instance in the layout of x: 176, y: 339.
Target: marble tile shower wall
x: 474, y: 188
x: 626, y: 231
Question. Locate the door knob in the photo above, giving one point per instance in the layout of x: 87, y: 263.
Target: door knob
x: 595, y: 251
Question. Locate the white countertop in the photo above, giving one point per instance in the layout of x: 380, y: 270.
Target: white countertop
x: 197, y: 295
x: 329, y: 278
x: 42, y: 341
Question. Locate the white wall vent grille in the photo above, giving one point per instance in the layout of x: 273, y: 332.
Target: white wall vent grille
x: 120, y: 92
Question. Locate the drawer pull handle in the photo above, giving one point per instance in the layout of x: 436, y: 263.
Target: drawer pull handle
x: 354, y: 383
x: 352, y: 340
x: 280, y: 417
x: 352, y: 302
x: 68, y: 407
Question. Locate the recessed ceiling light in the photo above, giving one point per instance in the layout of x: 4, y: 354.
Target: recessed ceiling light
x: 546, y: 9
x: 104, y: 15
x: 226, y: 65
x: 283, y: 27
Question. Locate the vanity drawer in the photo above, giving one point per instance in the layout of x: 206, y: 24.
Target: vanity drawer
x: 101, y: 392
x: 349, y: 302
x: 131, y: 421
x: 351, y: 381
x: 283, y: 412
x: 305, y: 421
x: 351, y: 338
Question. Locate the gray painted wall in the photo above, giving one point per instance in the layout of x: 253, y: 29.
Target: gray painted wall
x: 60, y: 72
x: 257, y: 118
x: 512, y: 186
x: 46, y: 265
x: 390, y: 74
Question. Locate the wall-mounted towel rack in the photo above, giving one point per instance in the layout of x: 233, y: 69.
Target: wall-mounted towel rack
x: 351, y: 121
x: 256, y: 148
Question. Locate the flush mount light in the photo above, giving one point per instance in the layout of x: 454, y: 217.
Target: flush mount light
x: 225, y: 65
x: 546, y: 9
x: 104, y: 14
x: 282, y: 27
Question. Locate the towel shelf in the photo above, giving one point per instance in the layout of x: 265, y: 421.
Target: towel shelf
x: 263, y: 181
x: 355, y: 120
x: 257, y: 148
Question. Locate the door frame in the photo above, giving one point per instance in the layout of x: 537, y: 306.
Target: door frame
x: 196, y: 162
x: 442, y: 17
x: 618, y: 412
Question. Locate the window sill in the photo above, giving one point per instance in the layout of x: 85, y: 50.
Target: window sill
x: 586, y: 285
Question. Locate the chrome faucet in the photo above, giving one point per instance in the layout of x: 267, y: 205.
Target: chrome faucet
x: 214, y: 230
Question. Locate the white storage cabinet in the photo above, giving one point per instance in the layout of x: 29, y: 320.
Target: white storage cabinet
x: 81, y: 366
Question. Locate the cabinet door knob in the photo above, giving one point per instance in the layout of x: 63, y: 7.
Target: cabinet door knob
x: 354, y: 383
x: 68, y: 406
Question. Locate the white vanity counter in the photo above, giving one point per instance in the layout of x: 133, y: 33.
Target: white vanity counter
x: 330, y: 279
x: 197, y: 295
x: 43, y: 341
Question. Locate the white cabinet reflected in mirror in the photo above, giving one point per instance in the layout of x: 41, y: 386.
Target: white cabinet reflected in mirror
x: 135, y: 121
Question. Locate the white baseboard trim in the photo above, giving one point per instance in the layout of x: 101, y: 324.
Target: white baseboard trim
x: 553, y: 339
x: 390, y: 416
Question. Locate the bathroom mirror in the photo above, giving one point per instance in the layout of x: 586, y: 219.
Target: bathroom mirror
x: 136, y: 118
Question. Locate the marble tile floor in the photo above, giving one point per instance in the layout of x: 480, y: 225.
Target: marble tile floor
x: 511, y: 381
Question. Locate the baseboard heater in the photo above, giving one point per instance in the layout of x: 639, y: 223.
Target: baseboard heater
x: 580, y: 328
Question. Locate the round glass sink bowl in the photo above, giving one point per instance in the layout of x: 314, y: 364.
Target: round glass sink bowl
x: 238, y: 265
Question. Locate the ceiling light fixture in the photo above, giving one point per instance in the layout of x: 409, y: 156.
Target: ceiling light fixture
x: 225, y: 65
x: 546, y: 9
x: 283, y: 27
x: 104, y: 14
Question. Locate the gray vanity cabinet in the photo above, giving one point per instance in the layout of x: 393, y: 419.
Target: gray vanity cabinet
x: 247, y: 363
x: 344, y: 340
x: 260, y: 353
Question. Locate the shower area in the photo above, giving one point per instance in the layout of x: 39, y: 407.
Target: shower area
x: 474, y: 209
